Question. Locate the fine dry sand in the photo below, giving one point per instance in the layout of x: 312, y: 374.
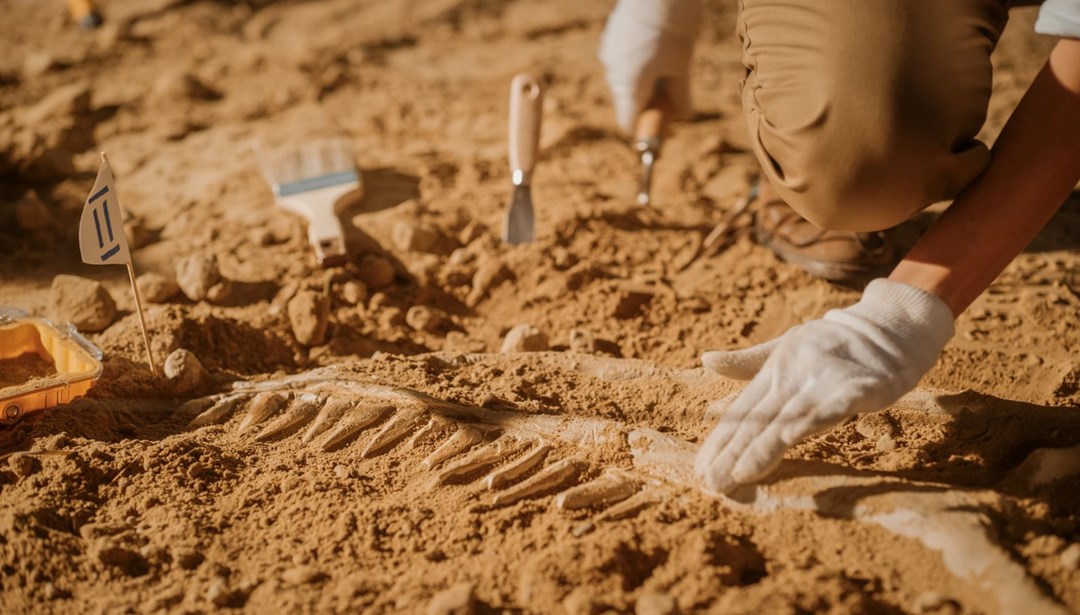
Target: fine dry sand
x: 355, y: 439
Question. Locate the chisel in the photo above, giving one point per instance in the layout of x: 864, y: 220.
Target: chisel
x: 649, y: 133
x: 526, y: 102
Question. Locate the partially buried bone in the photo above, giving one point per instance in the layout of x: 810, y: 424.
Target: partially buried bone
x: 353, y: 422
x: 462, y: 440
x: 302, y: 409
x: 478, y: 460
x: 519, y: 467
x: 262, y: 407
x: 614, y: 486
x: 218, y: 412
x: 543, y: 482
x: 395, y: 430
x: 332, y: 412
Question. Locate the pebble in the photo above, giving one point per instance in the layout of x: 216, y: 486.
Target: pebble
x: 184, y: 370
x: 302, y: 575
x: 354, y: 292
x: 459, y: 599
x: 488, y: 274
x: 196, y: 274
x: 218, y: 593
x: 582, y: 341
x: 375, y: 271
x: 31, y: 213
x: 656, y: 603
x: 82, y: 302
x: 416, y: 238
x: 309, y: 312
x: 342, y: 472
x: 874, y: 425
x: 886, y: 443
x: 424, y: 318
x: 220, y: 292
x: 156, y: 288
x: 25, y: 465
x: 182, y: 84
x: 1070, y: 557
x: 37, y: 64
x: 524, y: 338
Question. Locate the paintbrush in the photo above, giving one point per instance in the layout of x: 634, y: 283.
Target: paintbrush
x: 526, y: 102
x: 310, y: 179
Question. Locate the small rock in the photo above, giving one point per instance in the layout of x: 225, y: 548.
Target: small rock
x: 309, y: 312
x: 524, y: 338
x: 582, y: 341
x: 459, y: 599
x: 656, y: 603
x: 302, y: 575
x: 935, y: 602
x: 31, y: 213
x: 1070, y: 557
x: 416, y: 238
x: 874, y: 425
x: 342, y: 472
x: 189, y: 559
x: 82, y: 302
x: 218, y: 593
x: 173, y: 85
x: 196, y: 274
x: 582, y: 529
x: 184, y: 370
x: 471, y: 232
x: 886, y: 443
x: 376, y: 271
x: 391, y: 317
x: 156, y: 288
x: 220, y: 292
x: 489, y: 274
x: 423, y: 318
x: 37, y: 64
x: 354, y: 292
x: 25, y: 465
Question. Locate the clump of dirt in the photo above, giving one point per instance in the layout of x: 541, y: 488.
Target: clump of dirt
x: 25, y: 369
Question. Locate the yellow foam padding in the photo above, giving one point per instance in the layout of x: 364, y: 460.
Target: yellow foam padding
x: 78, y: 365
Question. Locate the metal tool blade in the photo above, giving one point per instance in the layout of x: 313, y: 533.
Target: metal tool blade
x: 648, y: 158
x: 519, y: 225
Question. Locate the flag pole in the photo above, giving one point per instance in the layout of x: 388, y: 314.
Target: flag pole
x: 138, y: 304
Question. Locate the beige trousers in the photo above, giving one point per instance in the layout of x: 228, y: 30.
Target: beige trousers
x: 864, y: 112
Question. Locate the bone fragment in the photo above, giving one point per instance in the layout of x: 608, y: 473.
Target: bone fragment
x: 513, y: 471
x: 299, y: 412
x: 614, y: 486
x: 632, y: 505
x: 478, y: 460
x: 261, y: 408
x: 550, y: 478
x: 332, y: 412
x: 218, y: 412
x: 462, y: 440
x: 394, y: 432
x: 356, y: 419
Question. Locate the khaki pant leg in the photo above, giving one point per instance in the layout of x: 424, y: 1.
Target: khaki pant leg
x: 864, y: 112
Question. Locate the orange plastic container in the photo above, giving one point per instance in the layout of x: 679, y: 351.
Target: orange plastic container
x: 77, y: 362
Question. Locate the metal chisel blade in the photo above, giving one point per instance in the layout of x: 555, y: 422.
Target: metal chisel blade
x: 519, y: 224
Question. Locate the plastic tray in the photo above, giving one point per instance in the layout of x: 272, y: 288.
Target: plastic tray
x: 76, y: 359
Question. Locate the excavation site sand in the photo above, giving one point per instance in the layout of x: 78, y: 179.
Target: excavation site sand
x: 448, y: 424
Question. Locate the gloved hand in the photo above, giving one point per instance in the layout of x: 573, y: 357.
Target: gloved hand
x: 858, y: 359
x: 645, y: 41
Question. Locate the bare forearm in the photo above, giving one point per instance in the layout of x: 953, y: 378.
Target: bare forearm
x: 1036, y: 164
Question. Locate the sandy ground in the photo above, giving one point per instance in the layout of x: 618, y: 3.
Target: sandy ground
x: 330, y: 494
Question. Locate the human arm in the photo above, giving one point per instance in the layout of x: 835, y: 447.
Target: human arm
x: 865, y: 357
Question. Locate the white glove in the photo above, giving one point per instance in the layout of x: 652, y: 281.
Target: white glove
x: 858, y: 359
x: 645, y: 41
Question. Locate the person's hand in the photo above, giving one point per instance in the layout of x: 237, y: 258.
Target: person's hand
x: 646, y: 41
x: 857, y: 359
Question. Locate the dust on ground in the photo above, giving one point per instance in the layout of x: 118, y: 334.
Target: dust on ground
x: 123, y: 504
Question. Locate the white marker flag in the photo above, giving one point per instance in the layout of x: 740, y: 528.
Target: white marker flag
x: 101, y: 229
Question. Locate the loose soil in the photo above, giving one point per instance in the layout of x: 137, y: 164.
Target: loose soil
x: 24, y: 370
x: 115, y: 503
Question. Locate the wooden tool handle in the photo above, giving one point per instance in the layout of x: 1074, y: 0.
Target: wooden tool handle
x: 526, y: 102
x: 655, y: 118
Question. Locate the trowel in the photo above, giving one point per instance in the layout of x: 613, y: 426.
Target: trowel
x: 649, y: 132
x: 526, y: 102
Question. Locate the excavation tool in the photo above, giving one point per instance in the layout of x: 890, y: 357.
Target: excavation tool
x: 76, y: 360
x: 526, y: 102
x: 311, y: 180
x: 649, y: 133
